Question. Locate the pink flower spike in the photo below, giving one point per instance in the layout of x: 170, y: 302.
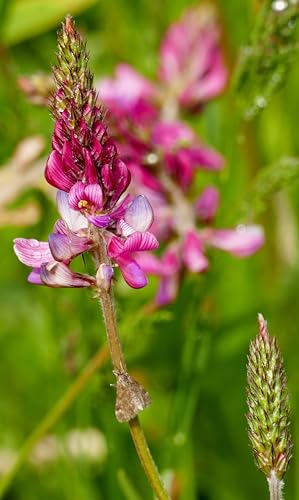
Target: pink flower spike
x: 31, y: 252
x: 207, y: 204
x: 58, y: 275
x: 55, y: 174
x: 74, y: 219
x: 192, y: 253
x: 191, y: 63
x: 241, y: 242
x: 139, y: 215
x: 65, y: 247
x: 131, y: 271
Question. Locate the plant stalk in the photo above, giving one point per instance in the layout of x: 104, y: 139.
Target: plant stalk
x: 53, y: 416
x: 147, y: 460
x: 275, y: 487
x: 118, y: 362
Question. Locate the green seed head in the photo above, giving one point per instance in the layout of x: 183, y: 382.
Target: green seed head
x: 268, y: 404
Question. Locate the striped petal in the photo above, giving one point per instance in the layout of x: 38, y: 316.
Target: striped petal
x: 139, y: 215
x: 55, y: 174
x: 58, y: 275
x: 32, y: 252
x: 74, y: 219
x: 139, y: 242
x: 65, y: 247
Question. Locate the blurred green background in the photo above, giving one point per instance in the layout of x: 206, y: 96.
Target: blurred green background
x: 190, y: 355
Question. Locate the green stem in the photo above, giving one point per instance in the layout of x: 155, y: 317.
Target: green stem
x: 117, y: 357
x: 53, y: 416
x: 146, y: 460
x: 275, y: 487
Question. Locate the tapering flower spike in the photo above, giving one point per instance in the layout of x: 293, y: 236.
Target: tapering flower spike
x: 268, y: 409
x: 91, y: 178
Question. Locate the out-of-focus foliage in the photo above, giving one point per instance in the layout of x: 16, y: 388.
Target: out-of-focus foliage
x: 191, y: 355
x: 264, y: 64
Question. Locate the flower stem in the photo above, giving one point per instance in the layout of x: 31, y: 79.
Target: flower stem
x: 146, y: 459
x: 275, y: 486
x: 53, y: 416
x: 108, y: 309
x: 117, y: 357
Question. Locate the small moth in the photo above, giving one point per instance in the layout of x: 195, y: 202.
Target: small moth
x: 131, y: 397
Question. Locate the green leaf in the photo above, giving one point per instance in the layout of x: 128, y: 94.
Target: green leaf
x: 28, y: 18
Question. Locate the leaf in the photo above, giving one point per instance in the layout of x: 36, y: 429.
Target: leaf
x: 28, y: 18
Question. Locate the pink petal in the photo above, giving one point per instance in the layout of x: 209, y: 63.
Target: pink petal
x: 124, y: 229
x: 139, y: 242
x: 76, y: 194
x: 139, y: 215
x: 115, y: 247
x: 58, y: 275
x: 169, y: 135
x: 121, y: 178
x: 100, y: 220
x: 34, y: 277
x: 149, y: 263
x: 168, y: 290
x: 171, y: 261
x: 131, y: 272
x: 119, y: 211
x: 93, y: 194
x: 32, y: 252
x: 74, y: 219
x: 55, y: 174
x: 201, y: 156
x: 207, y: 204
x: 192, y: 253
x: 241, y: 242
x: 90, y: 171
x: 65, y: 247
x: 104, y: 276
x: 125, y: 89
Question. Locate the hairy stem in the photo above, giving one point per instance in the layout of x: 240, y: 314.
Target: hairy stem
x: 275, y: 487
x: 108, y: 309
x: 117, y: 357
x: 53, y: 416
